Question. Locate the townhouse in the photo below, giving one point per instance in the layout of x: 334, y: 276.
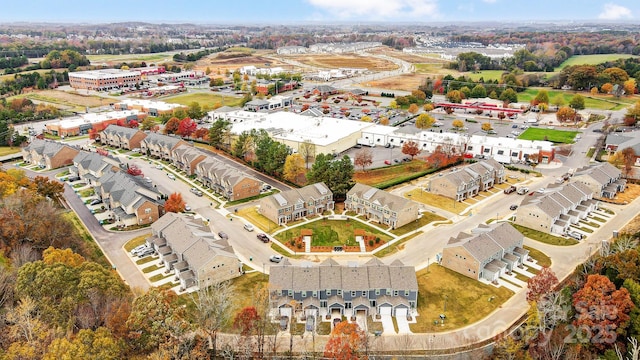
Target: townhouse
x: 604, y: 179
x: 487, y: 253
x: 132, y: 201
x: 227, y: 181
x: 467, y: 182
x: 329, y: 288
x: 48, y: 154
x: 555, y: 210
x: 186, y: 157
x: 381, y: 206
x: 160, y: 146
x: 295, y: 204
x: 121, y: 137
x: 189, y: 249
x: 91, y: 166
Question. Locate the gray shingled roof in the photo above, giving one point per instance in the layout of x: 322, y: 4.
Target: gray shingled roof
x: 381, y: 197
x: 290, y: 197
x: 120, y: 131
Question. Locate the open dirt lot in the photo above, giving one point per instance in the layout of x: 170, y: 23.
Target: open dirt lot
x: 230, y: 61
x: 407, y: 82
x: 411, y: 58
x: 346, y: 61
x: 65, y: 99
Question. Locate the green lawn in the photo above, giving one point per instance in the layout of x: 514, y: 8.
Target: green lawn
x: 331, y: 232
x: 136, y: 241
x: 544, y: 237
x: 204, y: 99
x: 541, y: 258
x: 601, y: 102
x: 467, y: 300
x: 397, y: 246
x: 485, y: 74
x: 426, y: 219
x: 592, y: 59
x: 555, y: 136
x: 245, y: 287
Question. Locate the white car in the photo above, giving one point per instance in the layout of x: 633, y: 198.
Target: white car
x: 159, y: 167
x: 248, y: 227
x: 171, y: 176
x: 275, y: 258
x: 187, y: 207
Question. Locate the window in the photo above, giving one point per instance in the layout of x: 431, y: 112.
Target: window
x: 500, y: 152
x: 377, y: 291
x: 304, y: 294
x: 314, y: 294
x: 328, y: 292
x: 353, y: 294
x: 486, y: 151
x: 147, y: 211
x: 469, y: 148
x: 395, y: 292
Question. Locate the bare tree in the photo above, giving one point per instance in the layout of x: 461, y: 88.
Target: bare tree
x: 308, y: 151
x: 363, y: 157
x: 213, y: 310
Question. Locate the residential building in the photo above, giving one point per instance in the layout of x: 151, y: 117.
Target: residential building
x: 295, y: 204
x: 48, y: 154
x: 227, y: 181
x: 121, y: 137
x: 604, y: 179
x: 555, y: 210
x: 189, y: 249
x: 488, y: 253
x: 104, y: 79
x: 160, y: 146
x: 381, y: 206
x: 91, y: 166
x: 186, y: 158
x: 329, y: 288
x: 468, y: 181
x: 132, y: 201
x: 81, y: 124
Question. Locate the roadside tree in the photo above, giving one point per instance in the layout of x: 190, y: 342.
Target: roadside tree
x: 541, y: 284
x: 411, y: 148
x: 174, y: 203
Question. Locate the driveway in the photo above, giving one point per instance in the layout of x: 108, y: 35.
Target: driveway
x: 387, y: 325
x: 403, y: 325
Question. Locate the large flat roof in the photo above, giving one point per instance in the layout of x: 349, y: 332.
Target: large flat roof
x: 92, y: 118
x: 103, y: 73
x: 294, y: 127
x: 151, y: 104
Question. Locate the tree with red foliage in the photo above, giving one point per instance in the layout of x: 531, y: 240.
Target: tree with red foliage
x: 541, y: 284
x: 304, y: 107
x: 134, y: 124
x: 187, y: 127
x: 201, y: 133
x: 121, y: 122
x: 345, y: 342
x: 134, y: 170
x: 174, y: 203
x: 246, y: 320
x: 601, y: 310
x: 171, y: 127
x: 411, y: 148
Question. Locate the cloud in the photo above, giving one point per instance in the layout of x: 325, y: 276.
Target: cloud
x: 614, y: 12
x: 378, y: 9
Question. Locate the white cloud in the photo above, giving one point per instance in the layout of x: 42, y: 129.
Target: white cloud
x: 614, y: 12
x: 378, y: 9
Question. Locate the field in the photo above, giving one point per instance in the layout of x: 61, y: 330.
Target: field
x: 555, y: 136
x: 380, y: 176
x: 485, y: 74
x: 204, y: 99
x: 601, y: 102
x: 410, y: 58
x: 236, y: 58
x: 591, y: 59
x: 434, y: 68
x: 466, y: 300
x: 6, y: 150
x: 544, y: 237
x: 346, y: 61
x: 64, y: 100
x: 40, y: 71
x: 112, y: 58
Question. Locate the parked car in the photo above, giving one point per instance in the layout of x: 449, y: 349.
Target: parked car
x: 223, y: 235
x: 387, y: 162
x: 248, y: 227
x: 187, y: 207
x: 196, y: 191
x: 146, y: 252
x: 138, y: 249
x: 523, y: 190
x: 513, y: 207
x: 576, y: 235
x: 510, y: 189
x: 275, y: 258
x: 159, y: 167
x: 171, y: 176
x: 263, y: 237
x: 95, y: 202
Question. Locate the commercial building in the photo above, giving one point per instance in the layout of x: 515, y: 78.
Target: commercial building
x: 151, y: 107
x: 81, y: 124
x: 104, y: 79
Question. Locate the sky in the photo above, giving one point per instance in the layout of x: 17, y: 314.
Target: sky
x: 322, y: 11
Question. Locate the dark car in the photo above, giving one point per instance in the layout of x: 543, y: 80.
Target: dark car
x: 513, y: 207
x: 263, y: 237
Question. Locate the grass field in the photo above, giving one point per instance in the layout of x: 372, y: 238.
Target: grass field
x: 245, y: 287
x: 601, y: 102
x: 592, y: 59
x: 544, y: 237
x: 66, y: 100
x: 257, y: 219
x: 331, y: 232
x: 426, y: 219
x: 467, y: 300
x: 136, y: 241
x: 156, y: 57
x: 204, y: 99
x: 541, y: 258
x: 555, y: 136
x: 485, y: 74
x: 6, y: 150
x: 381, y: 176
x: 438, y: 201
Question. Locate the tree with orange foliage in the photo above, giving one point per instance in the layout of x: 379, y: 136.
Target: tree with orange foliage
x: 413, y: 108
x: 201, y: 133
x: 171, y: 127
x: 186, y: 127
x: 174, y: 203
x: 411, y: 148
x: 345, y: 342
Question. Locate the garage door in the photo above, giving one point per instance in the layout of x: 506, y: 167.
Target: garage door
x: 400, y: 312
x: 285, y: 311
x: 385, y: 310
